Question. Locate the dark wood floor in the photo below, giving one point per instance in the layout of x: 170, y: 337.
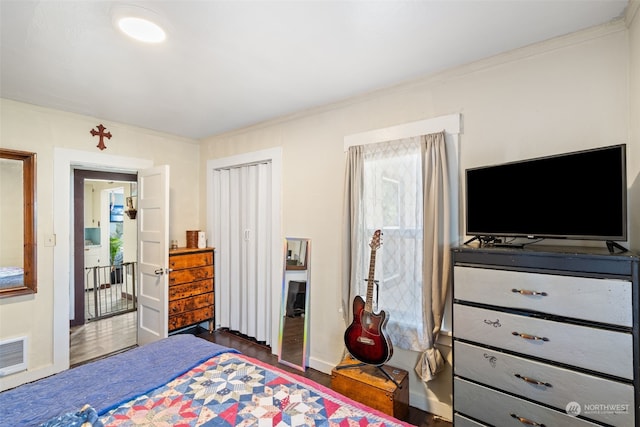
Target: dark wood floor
x: 263, y: 353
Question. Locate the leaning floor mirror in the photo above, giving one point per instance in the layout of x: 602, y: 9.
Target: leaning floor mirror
x: 294, y: 308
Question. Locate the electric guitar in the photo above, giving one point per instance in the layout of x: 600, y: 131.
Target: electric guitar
x: 365, y: 338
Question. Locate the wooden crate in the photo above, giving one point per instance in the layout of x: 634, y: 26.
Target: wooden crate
x: 366, y: 384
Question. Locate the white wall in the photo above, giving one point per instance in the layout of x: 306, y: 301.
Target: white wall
x: 633, y: 160
x: 42, y: 316
x: 566, y: 94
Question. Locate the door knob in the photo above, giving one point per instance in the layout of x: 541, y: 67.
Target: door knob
x: 159, y: 271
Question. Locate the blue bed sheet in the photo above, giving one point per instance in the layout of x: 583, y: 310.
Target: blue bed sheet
x: 106, y: 383
x: 11, y: 277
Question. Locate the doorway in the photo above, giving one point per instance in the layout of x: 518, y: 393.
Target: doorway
x: 105, y: 254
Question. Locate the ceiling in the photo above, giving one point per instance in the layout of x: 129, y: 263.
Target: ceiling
x: 233, y: 63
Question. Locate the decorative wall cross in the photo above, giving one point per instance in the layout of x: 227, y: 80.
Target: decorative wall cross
x: 102, y: 134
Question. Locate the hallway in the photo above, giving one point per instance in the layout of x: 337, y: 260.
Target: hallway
x: 102, y: 337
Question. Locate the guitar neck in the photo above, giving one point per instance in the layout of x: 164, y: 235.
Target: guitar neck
x: 368, y: 306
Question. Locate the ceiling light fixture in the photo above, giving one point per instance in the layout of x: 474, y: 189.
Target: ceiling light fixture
x: 139, y: 24
x: 142, y: 30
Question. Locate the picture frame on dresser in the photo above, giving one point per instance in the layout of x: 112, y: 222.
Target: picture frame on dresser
x: 545, y: 335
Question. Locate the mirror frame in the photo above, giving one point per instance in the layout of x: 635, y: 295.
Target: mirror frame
x: 30, y: 283
x: 301, y: 269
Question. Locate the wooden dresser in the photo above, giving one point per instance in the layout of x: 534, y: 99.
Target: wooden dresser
x: 191, y: 279
x: 545, y: 336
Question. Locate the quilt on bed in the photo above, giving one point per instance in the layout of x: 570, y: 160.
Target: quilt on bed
x: 106, y: 383
x: 235, y: 390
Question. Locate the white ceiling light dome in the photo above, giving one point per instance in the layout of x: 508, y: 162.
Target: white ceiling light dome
x: 139, y: 23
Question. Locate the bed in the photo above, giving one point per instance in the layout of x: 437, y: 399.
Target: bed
x: 11, y: 277
x: 181, y: 380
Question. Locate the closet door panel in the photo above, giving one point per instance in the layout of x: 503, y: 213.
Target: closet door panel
x: 243, y: 231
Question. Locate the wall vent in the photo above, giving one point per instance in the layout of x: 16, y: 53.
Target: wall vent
x: 13, y: 356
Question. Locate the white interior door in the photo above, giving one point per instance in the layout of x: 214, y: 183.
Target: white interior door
x: 153, y: 254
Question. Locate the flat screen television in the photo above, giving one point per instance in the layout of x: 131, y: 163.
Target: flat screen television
x: 577, y: 195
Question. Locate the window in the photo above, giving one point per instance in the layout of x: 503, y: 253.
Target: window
x: 386, y: 193
x: 392, y: 202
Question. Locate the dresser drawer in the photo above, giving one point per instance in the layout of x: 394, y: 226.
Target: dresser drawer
x: 190, y: 275
x: 462, y: 421
x: 500, y: 409
x: 582, y: 346
x: 190, y: 289
x: 192, y: 303
x: 560, y: 386
x: 198, y: 259
x: 190, y: 317
x: 568, y: 296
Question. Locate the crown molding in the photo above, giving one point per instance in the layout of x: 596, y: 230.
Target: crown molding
x: 631, y: 12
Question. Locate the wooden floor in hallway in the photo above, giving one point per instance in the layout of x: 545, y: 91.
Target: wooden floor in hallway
x: 100, y: 338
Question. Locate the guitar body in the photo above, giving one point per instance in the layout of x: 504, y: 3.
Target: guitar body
x: 365, y: 338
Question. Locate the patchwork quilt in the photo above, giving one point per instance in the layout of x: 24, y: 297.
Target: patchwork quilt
x: 236, y: 390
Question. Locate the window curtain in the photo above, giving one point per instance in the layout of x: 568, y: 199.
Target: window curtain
x: 417, y: 290
x: 350, y: 232
x: 437, y: 250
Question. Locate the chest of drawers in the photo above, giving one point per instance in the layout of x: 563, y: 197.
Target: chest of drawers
x: 191, y: 280
x: 545, y: 336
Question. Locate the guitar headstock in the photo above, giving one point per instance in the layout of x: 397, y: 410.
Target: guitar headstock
x: 376, y: 240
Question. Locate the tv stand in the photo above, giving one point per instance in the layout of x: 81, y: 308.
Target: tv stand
x: 498, y: 299
x: 482, y: 240
x: 508, y: 245
x: 494, y: 242
x: 473, y: 239
x: 612, y: 246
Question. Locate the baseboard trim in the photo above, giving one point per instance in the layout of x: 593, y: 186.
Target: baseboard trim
x: 321, y: 365
x: 431, y: 406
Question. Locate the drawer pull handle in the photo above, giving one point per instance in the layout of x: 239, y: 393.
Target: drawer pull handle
x: 528, y: 292
x: 527, y: 421
x: 532, y: 381
x: 530, y: 337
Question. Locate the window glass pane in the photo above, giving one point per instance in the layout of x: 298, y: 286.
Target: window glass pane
x: 392, y: 202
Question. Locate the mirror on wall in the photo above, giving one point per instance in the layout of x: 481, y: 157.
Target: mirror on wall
x: 17, y: 223
x: 294, y: 310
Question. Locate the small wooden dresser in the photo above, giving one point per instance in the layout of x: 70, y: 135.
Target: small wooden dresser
x: 190, y: 287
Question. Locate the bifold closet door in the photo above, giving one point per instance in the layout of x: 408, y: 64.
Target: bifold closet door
x: 242, y: 226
